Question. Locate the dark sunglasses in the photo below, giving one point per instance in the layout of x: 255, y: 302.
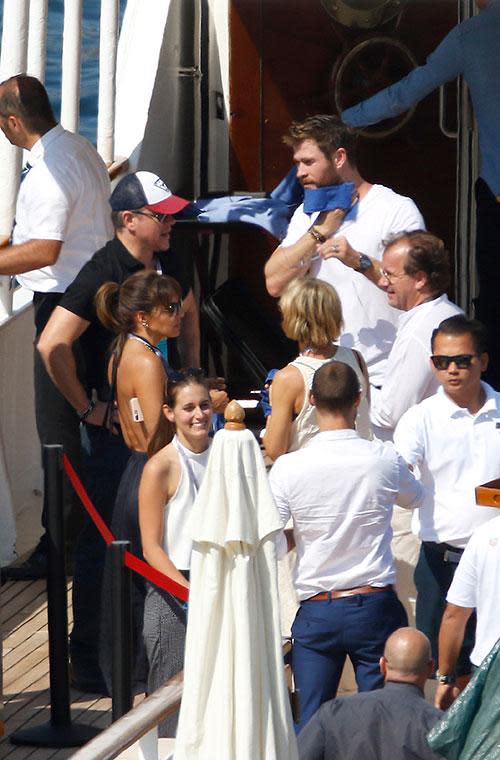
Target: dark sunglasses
x: 463, y: 361
x: 162, y: 218
x: 173, y: 308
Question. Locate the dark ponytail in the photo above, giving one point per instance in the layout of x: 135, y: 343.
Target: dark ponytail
x: 117, y: 305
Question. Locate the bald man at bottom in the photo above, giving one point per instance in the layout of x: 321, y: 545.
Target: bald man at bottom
x: 389, y: 722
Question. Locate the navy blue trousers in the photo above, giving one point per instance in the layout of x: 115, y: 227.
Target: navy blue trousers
x: 325, y: 633
x: 433, y: 577
x: 104, y: 457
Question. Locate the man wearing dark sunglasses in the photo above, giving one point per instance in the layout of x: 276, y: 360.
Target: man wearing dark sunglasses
x: 453, y: 438
x: 142, y: 212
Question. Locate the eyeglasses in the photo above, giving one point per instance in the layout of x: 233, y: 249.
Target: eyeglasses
x: 173, y: 308
x: 390, y: 276
x: 162, y: 218
x: 462, y: 361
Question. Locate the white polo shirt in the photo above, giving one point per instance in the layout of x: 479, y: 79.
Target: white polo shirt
x: 339, y: 491
x: 476, y: 584
x: 369, y: 321
x: 64, y: 196
x: 408, y: 374
x: 455, y: 451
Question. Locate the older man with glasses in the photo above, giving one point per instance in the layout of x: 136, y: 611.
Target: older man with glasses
x: 453, y: 438
x: 415, y: 274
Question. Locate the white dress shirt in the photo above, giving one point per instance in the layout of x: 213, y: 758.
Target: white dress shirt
x: 339, y: 491
x: 369, y: 321
x: 475, y: 584
x: 408, y: 375
x: 64, y: 196
x: 455, y: 451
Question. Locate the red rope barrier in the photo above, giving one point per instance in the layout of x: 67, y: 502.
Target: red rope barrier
x: 133, y: 562
x: 156, y: 577
x: 84, y: 498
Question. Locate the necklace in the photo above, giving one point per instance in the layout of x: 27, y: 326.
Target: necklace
x: 327, y: 353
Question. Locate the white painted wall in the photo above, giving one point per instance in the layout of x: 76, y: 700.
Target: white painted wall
x: 18, y: 437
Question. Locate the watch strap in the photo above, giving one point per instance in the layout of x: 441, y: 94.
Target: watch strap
x: 444, y: 678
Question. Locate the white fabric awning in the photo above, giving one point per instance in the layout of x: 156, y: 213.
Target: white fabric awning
x: 235, y: 702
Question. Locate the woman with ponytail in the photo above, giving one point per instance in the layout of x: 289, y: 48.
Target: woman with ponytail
x: 167, y: 492
x: 142, y: 311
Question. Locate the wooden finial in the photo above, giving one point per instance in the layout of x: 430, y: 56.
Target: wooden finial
x: 234, y: 415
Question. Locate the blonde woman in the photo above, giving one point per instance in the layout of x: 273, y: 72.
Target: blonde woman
x: 312, y: 316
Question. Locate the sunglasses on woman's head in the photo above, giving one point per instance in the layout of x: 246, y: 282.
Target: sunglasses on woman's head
x: 177, y: 375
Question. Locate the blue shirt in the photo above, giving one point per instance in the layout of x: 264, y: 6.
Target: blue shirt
x: 471, y: 49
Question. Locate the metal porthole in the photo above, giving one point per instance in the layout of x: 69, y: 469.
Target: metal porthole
x: 364, y: 70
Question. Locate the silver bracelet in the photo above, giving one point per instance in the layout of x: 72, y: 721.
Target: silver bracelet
x: 88, y: 411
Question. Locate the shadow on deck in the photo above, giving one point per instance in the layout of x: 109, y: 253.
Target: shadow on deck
x: 26, y: 671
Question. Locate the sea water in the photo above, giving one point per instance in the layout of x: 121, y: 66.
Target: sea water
x: 89, y: 65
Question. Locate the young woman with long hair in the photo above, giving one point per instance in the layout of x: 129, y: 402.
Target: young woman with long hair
x: 168, y: 488
x: 143, y: 310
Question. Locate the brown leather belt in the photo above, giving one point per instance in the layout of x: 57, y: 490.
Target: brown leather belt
x: 341, y: 593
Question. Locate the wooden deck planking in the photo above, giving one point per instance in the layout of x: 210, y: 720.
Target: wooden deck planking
x: 26, y: 672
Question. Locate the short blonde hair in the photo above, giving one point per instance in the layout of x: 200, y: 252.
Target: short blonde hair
x: 312, y: 312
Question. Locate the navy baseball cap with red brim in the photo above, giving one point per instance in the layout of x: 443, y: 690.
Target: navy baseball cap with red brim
x: 145, y: 190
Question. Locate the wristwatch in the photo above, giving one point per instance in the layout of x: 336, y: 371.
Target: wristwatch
x: 364, y: 263
x: 444, y: 679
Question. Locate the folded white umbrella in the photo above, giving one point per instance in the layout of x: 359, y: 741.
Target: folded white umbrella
x: 235, y: 703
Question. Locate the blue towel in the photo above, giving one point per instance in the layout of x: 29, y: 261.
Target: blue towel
x: 272, y: 215
x: 289, y: 190
x: 328, y: 198
x: 264, y: 394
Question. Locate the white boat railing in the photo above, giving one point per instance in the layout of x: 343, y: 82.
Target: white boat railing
x: 139, y: 723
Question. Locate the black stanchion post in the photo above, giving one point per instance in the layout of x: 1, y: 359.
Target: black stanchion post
x: 121, y: 630
x: 60, y: 731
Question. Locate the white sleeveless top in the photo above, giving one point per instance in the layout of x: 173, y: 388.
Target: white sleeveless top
x: 305, y: 426
x: 176, y: 542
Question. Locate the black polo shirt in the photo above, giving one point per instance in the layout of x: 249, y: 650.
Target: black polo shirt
x: 113, y: 263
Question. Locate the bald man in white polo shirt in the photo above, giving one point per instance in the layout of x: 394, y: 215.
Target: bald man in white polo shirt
x: 453, y: 438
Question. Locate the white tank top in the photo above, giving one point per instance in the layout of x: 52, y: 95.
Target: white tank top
x: 305, y: 426
x: 176, y: 543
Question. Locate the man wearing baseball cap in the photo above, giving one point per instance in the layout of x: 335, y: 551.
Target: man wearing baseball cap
x: 142, y: 209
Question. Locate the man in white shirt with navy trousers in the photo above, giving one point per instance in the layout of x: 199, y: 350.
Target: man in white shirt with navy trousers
x: 453, y: 438
x: 340, y: 491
